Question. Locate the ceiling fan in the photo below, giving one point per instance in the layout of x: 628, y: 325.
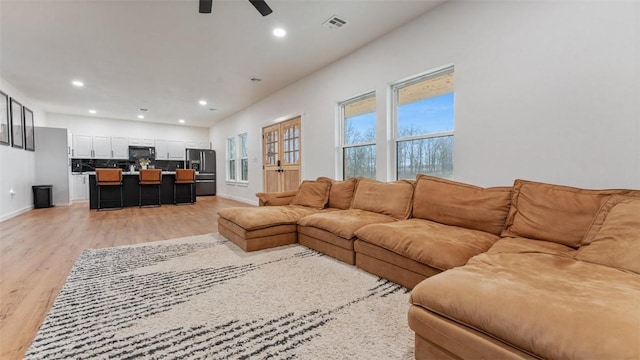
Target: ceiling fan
x: 260, y: 5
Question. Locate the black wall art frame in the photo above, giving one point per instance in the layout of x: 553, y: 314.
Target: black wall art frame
x: 17, y: 124
x: 5, y: 129
x: 29, y: 134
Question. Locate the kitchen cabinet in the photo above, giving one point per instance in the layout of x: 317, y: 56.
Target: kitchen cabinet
x: 204, y: 145
x: 142, y: 142
x: 162, y: 150
x: 102, y: 147
x: 192, y: 144
x: 69, y: 144
x: 82, y: 146
x: 176, y: 150
x: 135, y: 141
x: 119, y: 147
x: 79, y: 187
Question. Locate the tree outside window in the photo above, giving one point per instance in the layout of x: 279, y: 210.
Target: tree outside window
x: 424, y: 119
x: 359, y: 136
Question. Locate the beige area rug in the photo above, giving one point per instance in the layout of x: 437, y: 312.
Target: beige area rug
x: 204, y: 298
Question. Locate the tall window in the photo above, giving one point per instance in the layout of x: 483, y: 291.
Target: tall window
x: 359, y: 136
x: 423, y: 110
x: 244, y: 158
x: 231, y: 159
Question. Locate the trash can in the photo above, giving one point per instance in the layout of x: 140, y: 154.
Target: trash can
x: 42, y: 196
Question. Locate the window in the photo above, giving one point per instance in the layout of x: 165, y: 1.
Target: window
x: 244, y: 158
x: 423, y: 117
x: 231, y: 159
x: 358, y: 125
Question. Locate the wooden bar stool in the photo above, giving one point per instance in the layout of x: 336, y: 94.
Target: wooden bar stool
x: 184, y: 177
x: 150, y: 177
x: 111, y: 178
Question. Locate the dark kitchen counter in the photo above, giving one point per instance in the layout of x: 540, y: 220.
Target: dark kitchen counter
x: 110, y: 195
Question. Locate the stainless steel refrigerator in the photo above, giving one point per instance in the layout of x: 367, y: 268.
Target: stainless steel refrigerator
x: 204, y: 162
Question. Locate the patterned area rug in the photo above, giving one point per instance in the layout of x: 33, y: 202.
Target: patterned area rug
x: 204, y: 298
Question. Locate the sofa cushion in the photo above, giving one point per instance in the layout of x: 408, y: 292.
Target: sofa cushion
x: 552, y: 306
x: 341, y: 192
x: 313, y: 194
x: 253, y: 218
x: 343, y: 223
x: 455, y: 203
x: 614, y: 238
x: 556, y: 213
x: 524, y: 246
x: 388, y: 198
x: 439, y: 246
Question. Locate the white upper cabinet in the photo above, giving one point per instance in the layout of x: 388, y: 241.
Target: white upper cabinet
x: 176, y: 150
x: 204, y: 145
x: 148, y: 142
x: 119, y: 147
x: 102, y: 147
x: 135, y: 141
x: 191, y: 144
x: 82, y: 146
x: 162, y: 150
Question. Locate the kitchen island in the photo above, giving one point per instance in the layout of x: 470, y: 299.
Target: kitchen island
x: 110, y: 195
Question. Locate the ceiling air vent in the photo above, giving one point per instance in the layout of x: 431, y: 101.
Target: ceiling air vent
x: 334, y: 23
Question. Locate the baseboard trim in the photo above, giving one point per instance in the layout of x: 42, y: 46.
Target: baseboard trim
x: 231, y: 197
x: 16, y: 213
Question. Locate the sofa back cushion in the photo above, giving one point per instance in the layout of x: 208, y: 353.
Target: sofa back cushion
x: 458, y: 204
x: 341, y: 192
x: 388, y: 198
x: 614, y: 237
x: 556, y: 213
x: 313, y: 194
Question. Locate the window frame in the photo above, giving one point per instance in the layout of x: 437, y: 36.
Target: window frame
x: 342, y: 124
x: 231, y: 159
x: 243, y: 157
x: 394, y: 90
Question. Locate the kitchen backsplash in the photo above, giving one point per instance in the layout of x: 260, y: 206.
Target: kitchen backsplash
x: 82, y: 165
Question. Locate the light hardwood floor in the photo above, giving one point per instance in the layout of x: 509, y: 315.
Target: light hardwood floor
x: 38, y: 249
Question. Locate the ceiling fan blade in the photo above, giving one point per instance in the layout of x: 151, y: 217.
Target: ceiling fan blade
x: 261, y: 6
x: 205, y: 6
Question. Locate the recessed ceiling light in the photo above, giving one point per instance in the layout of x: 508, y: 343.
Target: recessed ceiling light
x: 279, y: 32
x: 140, y: 116
x: 181, y: 121
x: 202, y: 102
x: 92, y: 111
x: 77, y: 83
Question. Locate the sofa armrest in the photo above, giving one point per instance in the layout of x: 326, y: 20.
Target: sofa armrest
x: 276, y: 198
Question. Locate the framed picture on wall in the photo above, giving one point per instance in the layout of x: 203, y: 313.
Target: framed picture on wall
x: 29, y: 135
x: 17, y: 139
x: 4, y: 119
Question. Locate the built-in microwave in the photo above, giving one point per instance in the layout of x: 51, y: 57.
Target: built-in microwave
x: 137, y: 152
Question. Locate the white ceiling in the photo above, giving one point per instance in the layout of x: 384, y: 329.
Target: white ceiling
x: 165, y: 56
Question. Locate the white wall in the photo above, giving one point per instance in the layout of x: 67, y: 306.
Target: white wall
x: 17, y: 166
x: 93, y: 125
x: 546, y: 91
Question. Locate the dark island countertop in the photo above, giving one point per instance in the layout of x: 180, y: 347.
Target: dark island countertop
x: 110, y: 195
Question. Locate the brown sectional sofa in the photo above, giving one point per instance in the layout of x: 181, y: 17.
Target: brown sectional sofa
x: 529, y: 271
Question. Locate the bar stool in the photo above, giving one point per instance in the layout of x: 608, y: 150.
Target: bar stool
x: 150, y: 177
x: 184, y: 177
x: 111, y: 178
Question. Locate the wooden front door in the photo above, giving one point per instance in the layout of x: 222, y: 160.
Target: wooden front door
x: 281, y: 155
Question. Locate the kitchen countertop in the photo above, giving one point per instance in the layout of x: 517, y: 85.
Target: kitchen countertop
x: 127, y: 173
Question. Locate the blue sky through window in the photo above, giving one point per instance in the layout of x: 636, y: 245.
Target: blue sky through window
x: 426, y: 116
x: 430, y: 115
